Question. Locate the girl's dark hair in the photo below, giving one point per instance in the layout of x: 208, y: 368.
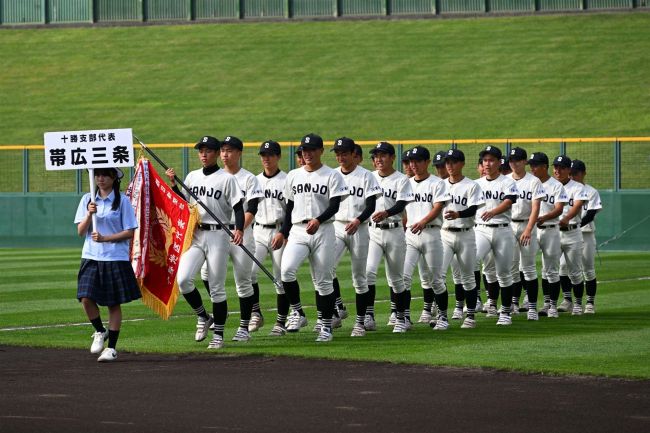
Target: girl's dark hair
x: 116, y: 184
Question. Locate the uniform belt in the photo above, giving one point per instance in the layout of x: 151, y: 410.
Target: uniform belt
x: 268, y: 226
x: 569, y: 228
x: 547, y: 227
x: 430, y: 226
x: 212, y: 227
x: 457, y: 229
x: 385, y: 226
x: 519, y: 221
x: 493, y: 226
x: 307, y: 221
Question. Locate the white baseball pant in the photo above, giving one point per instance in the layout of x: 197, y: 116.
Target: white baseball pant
x: 391, y: 244
x: 571, y: 243
x: 549, y: 242
x: 263, y: 237
x: 499, y: 240
x: 357, y: 244
x: 462, y: 247
x: 525, y: 257
x: 427, y: 245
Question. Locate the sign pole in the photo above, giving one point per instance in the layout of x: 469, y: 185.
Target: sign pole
x: 91, y: 181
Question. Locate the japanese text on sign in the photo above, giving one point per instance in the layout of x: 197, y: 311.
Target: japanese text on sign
x: 71, y: 150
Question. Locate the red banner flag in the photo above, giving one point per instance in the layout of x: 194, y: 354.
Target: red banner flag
x: 166, y: 225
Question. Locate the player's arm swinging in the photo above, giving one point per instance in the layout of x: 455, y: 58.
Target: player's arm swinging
x: 575, y: 209
x: 557, y: 211
x: 281, y: 236
x: 504, y: 206
x: 524, y: 239
x: 238, y: 234
x: 353, y: 226
x: 332, y: 209
x: 433, y: 214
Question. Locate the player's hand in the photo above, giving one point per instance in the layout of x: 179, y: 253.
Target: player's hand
x: 92, y: 208
x: 97, y: 237
x: 379, y: 216
x: 352, y: 226
x: 564, y: 222
x: 237, y: 237
x: 487, y: 215
x: 524, y: 239
x: 417, y: 227
x: 451, y: 215
x: 278, y: 241
x: 312, y: 226
x: 171, y: 174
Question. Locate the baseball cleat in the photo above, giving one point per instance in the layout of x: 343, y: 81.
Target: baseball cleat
x: 241, y: 335
x: 296, y: 321
x: 257, y: 321
x: 400, y: 327
x: 468, y: 323
x: 532, y: 315
x: 590, y: 309
x: 392, y: 320
x: 553, y: 313
x: 544, y: 311
x: 343, y: 312
x: 425, y: 317
x: 98, y: 342
x: 324, y: 335
x: 576, y: 310
x: 369, y: 323
x: 216, y: 342
x: 318, y: 325
x: 479, y: 306
x: 358, y: 330
x: 107, y: 355
x: 457, y: 314
x: 337, y: 322
x: 492, y: 311
x: 485, y: 306
x: 441, y: 324
x: 565, y: 306
x: 278, y: 331
x: 524, y: 305
x: 514, y: 309
x: 504, y: 320
x: 202, y: 327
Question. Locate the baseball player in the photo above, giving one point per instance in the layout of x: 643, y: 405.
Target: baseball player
x: 589, y: 211
x: 493, y: 232
x: 424, y: 219
x: 387, y: 236
x: 350, y: 222
x: 571, y: 240
x: 524, y: 225
x: 313, y: 193
x: 548, y: 234
x: 505, y: 168
x: 406, y: 168
x: 219, y: 191
x: 458, y: 238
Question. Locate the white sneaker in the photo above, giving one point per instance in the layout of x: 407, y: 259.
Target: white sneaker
x: 408, y: 324
x: 324, y: 335
x: 457, y: 314
x: 296, y: 321
x: 241, y: 335
x: 369, y: 323
x: 504, y: 320
x: 202, y: 327
x: 392, y: 320
x: 544, y: 311
x: 337, y: 322
x: 565, y: 306
x: 590, y: 309
x: 425, y: 317
x: 257, y: 321
x: 468, y: 323
x: 358, y: 330
x: 98, y: 342
x: 441, y: 325
x: 532, y: 315
x: 216, y: 342
x: 514, y: 309
x: 278, y: 331
x: 317, y: 326
x: 343, y: 313
x: 400, y: 327
x: 491, y: 311
x: 479, y: 306
x: 552, y: 312
x: 577, y: 310
x: 107, y: 355
x: 524, y: 305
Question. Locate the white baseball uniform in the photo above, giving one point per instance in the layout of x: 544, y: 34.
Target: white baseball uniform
x: 311, y: 193
x: 548, y: 234
x: 219, y: 191
x: 387, y: 237
x: 588, y: 235
x: 571, y: 240
x: 362, y: 185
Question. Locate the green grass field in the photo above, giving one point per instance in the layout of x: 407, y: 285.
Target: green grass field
x: 39, y: 286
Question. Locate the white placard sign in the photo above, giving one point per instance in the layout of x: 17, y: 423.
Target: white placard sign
x: 74, y: 150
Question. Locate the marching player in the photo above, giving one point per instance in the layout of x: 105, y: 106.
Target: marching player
x: 493, y: 232
x: 458, y: 238
x: 571, y: 240
x: 350, y: 223
x: 219, y: 191
x: 313, y: 193
x: 406, y: 168
x: 589, y: 211
x: 424, y: 219
x: 387, y: 236
x: 524, y: 225
x: 548, y: 234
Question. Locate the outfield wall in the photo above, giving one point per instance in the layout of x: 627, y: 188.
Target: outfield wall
x: 17, y: 12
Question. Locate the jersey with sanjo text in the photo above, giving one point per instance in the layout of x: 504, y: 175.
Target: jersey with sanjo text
x: 594, y: 203
x: 311, y: 191
x: 530, y: 188
x: 555, y: 193
x: 462, y: 195
x: 362, y: 185
x: 494, y: 192
x: 426, y: 192
x: 395, y: 187
x: 250, y: 187
x: 219, y: 191
x: 575, y: 191
x: 271, y: 209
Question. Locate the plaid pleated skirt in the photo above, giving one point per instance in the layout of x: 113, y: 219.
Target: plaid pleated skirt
x: 107, y: 283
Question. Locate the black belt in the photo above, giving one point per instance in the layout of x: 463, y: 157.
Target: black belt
x: 551, y: 226
x: 519, y: 221
x: 307, y: 221
x: 385, y: 226
x: 212, y: 227
x: 430, y: 226
x: 569, y: 228
x: 493, y: 226
x: 268, y: 226
x: 457, y: 229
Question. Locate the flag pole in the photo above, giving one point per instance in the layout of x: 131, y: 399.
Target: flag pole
x: 224, y: 227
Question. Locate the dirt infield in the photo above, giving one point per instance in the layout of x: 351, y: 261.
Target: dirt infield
x: 68, y: 391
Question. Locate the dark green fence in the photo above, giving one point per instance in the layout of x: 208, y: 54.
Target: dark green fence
x: 16, y: 12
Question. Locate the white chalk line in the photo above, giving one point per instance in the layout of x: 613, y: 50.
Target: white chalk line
x: 270, y: 310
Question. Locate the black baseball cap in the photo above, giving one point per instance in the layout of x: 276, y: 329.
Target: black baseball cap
x: 505, y: 165
x: 406, y: 156
x: 439, y: 158
x: 270, y: 147
x: 343, y: 144
x: 455, y: 155
x: 538, y: 158
x: 562, y: 161
x: 383, y: 146
x: 578, y: 166
x: 419, y: 153
x: 491, y: 150
x: 233, y: 141
x: 358, y: 150
x: 209, y: 142
x: 311, y: 141
x: 518, y: 154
